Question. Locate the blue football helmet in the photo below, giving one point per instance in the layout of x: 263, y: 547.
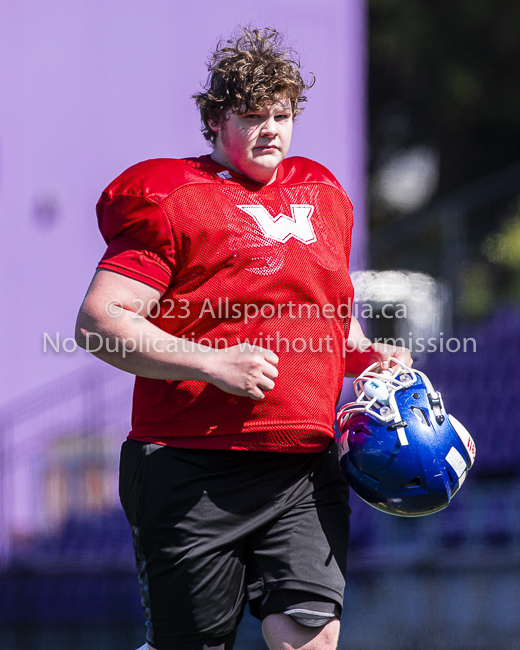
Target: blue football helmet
x: 399, y: 449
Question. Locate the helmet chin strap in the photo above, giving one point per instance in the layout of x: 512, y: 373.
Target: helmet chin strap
x: 436, y: 404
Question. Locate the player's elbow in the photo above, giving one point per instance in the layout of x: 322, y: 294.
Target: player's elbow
x: 81, y: 333
x: 81, y: 337
x: 86, y: 328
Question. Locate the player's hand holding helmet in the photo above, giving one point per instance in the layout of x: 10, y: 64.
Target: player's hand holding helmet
x: 399, y: 449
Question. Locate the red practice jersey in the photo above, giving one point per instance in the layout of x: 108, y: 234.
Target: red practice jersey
x: 238, y: 263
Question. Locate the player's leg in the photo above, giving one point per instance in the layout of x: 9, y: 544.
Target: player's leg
x: 190, y: 563
x: 281, y: 632
x: 296, y: 567
x: 296, y: 619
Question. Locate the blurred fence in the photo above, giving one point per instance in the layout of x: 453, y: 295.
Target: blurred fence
x: 59, y: 452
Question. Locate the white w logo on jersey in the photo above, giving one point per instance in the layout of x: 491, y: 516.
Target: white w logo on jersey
x: 281, y: 228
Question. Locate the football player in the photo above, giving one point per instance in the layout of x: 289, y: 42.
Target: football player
x: 225, y: 289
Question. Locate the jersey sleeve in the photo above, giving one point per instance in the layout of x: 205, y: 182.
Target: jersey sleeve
x: 139, y: 237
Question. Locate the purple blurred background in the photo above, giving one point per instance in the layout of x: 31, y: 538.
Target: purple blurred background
x: 89, y: 89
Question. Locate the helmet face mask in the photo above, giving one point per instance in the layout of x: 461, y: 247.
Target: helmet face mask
x: 399, y: 449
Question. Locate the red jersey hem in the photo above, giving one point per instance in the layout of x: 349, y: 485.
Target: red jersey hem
x: 245, y: 441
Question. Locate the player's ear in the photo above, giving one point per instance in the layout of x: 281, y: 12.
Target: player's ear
x: 214, y: 125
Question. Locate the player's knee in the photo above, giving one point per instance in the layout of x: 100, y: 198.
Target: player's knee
x: 281, y: 632
x: 329, y: 635
x: 327, y: 638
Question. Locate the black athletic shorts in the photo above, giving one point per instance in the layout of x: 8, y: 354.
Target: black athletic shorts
x: 213, y: 529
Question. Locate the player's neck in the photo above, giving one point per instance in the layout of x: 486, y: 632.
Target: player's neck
x: 264, y: 176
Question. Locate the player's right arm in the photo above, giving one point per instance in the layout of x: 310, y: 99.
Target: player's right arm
x: 111, y: 327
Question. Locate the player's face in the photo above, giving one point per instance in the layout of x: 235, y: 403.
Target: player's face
x: 254, y: 144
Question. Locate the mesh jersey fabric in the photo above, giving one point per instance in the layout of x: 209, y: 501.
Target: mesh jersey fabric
x: 222, y: 248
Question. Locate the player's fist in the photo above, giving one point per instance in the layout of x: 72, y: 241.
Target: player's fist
x: 381, y: 352
x: 363, y: 353
x: 245, y: 370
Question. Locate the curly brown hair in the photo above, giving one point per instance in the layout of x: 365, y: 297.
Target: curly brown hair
x: 252, y: 69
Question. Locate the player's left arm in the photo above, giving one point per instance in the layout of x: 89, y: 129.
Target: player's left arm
x: 361, y: 352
